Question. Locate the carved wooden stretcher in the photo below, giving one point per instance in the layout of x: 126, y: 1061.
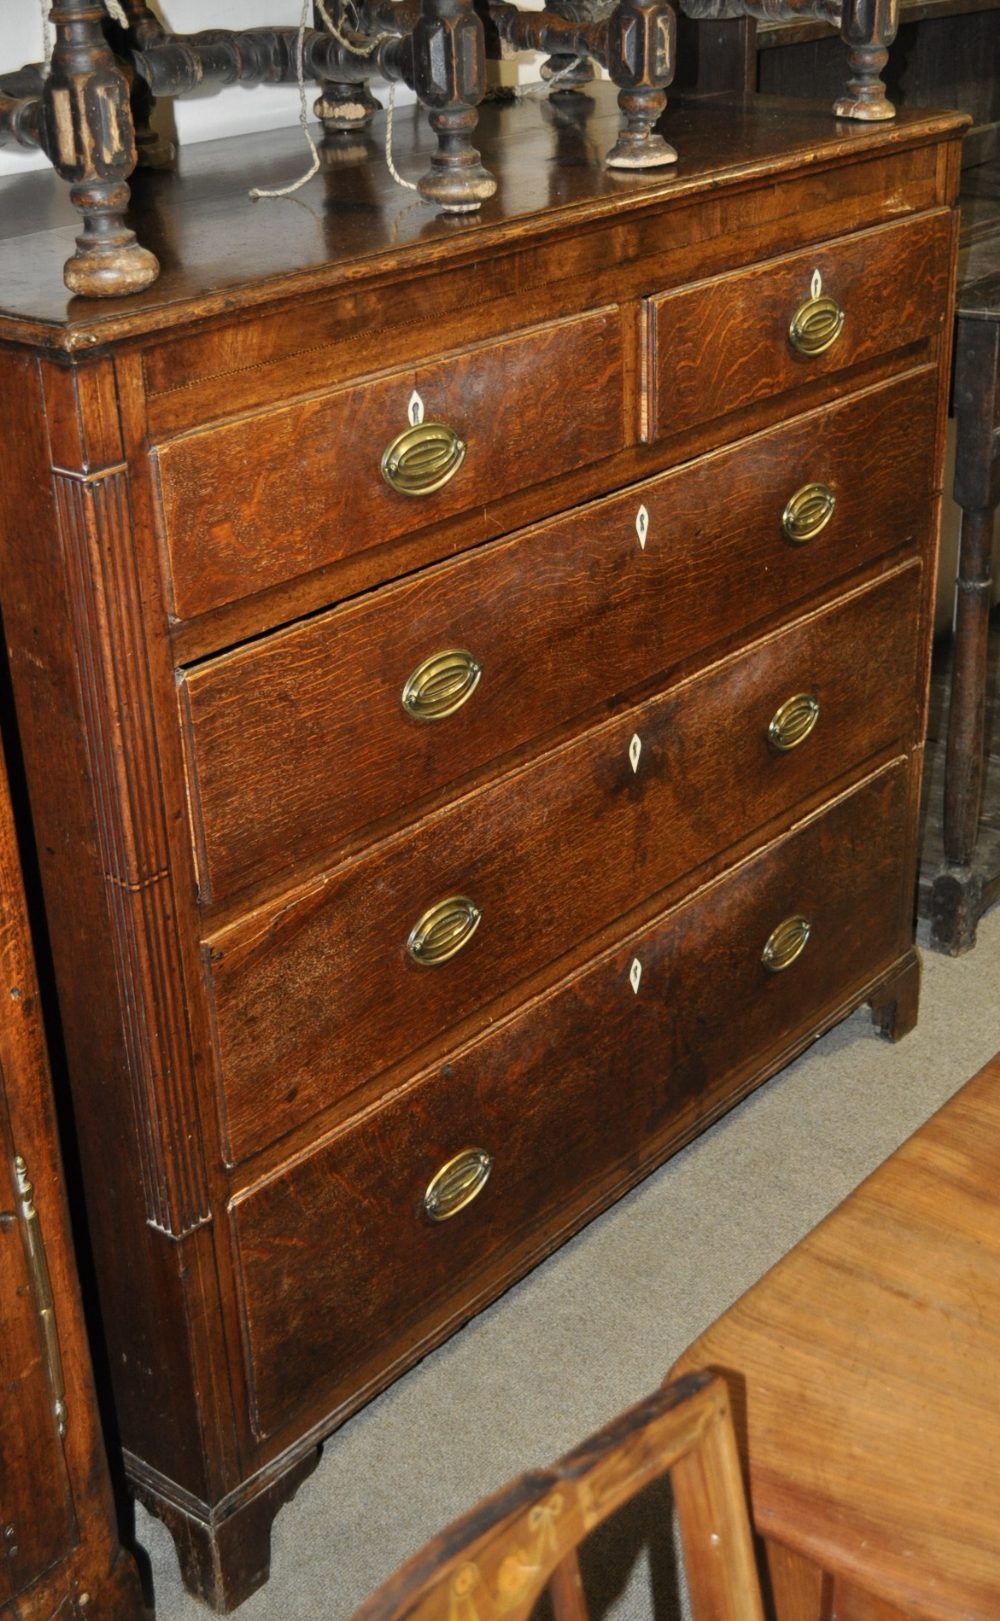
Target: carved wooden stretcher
x: 89, y: 113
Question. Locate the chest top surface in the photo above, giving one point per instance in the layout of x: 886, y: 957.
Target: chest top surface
x: 222, y: 252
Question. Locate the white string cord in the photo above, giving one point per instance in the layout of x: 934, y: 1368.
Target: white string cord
x: 365, y: 50
x: 540, y: 88
x: 390, y: 112
x: 296, y: 185
x: 564, y: 73
x: 117, y: 11
x: 353, y: 46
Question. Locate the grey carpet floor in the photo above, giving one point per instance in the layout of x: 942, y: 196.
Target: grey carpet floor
x: 597, y: 1325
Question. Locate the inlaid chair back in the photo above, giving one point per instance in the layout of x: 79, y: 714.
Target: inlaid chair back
x: 495, y: 1561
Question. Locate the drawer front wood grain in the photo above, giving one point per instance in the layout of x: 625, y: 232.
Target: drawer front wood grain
x: 326, y: 989
x: 341, y: 1271
x: 723, y: 344
x: 247, y: 504
x: 296, y: 743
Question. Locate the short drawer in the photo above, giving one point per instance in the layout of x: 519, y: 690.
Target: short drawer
x: 344, y: 1272
x: 297, y: 742
x: 247, y: 504
x: 334, y: 984
x: 723, y: 344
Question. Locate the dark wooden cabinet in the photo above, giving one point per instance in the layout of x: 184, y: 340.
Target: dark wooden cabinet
x: 945, y: 54
x: 59, y: 1551
x: 472, y: 680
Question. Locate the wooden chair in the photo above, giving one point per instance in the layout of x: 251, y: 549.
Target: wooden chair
x: 496, y: 1560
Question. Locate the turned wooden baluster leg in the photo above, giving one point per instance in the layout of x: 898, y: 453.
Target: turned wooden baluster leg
x: 154, y: 150
x: 449, y: 77
x: 87, y: 122
x: 345, y: 108
x: 867, y: 28
x: 956, y: 894
x: 569, y: 71
x: 642, y: 38
x: 342, y: 108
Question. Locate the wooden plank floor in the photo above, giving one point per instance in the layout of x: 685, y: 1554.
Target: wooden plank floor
x: 988, y: 847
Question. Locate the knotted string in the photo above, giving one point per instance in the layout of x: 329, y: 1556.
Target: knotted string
x: 300, y: 48
x: 363, y: 51
x: 116, y: 11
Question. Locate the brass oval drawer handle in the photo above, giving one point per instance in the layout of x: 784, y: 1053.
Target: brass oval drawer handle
x: 457, y: 1183
x: 816, y: 325
x: 785, y: 944
x: 793, y: 721
x: 440, y: 684
x: 423, y: 458
x: 808, y: 512
x: 443, y: 930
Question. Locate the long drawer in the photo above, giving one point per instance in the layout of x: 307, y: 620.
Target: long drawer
x: 298, y: 741
x: 353, y: 1257
x: 246, y: 504
x: 332, y: 985
x: 719, y: 345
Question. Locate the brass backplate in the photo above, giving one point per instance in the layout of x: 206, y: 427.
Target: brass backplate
x: 793, y: 721
x: 808, y: 512
x: 440, y: 684
x: 443, y: 930
x: 816, y: 325
x: 423, y: 458
x: 457, y: 1183
x: 786, y: 943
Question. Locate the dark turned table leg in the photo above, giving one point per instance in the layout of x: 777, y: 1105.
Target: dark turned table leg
x: 642, y: 50
x: 89, y: 138
x: 343, y: 109
x: 867, y: 28
x: 957, y: 889
x: 449, y: 77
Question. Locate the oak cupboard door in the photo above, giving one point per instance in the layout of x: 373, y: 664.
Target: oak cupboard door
x: 59, y: 1549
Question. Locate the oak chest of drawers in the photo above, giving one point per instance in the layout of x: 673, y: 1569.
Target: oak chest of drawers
x: 471, y: 683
